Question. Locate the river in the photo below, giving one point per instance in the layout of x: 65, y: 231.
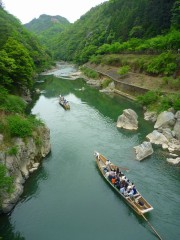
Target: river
x: 67, y: 198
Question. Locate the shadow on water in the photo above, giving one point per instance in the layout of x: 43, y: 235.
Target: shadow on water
x: 7, y: 228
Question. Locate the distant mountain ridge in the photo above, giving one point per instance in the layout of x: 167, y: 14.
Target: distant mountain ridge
x: 46, y: 22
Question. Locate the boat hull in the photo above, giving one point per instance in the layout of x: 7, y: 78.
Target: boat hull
x: 133, y: 202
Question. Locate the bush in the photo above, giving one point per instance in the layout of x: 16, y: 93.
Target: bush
x: 172, y: 83
x: 106, y: 82
x: 90, y: 73
x: 3, y: 95
x: 164, y: 63
x: 159, y: 101
x: 176, y: 104
x: 148, y: 98
x: 14, y: 104
x: 95, y: 59
x: 6, y: 182
x: 19, y: 126
x: 124, y: 70
x: 13, y: 151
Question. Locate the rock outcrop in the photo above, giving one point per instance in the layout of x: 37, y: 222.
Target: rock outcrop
x: 29, y: 155
x: 143, y: 150
x: 165, y: 119
x: 150, y: 116
x: 167, y: 133
x: 128, y: 120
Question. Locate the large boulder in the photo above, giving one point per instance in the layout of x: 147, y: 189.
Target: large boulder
x: 177, y: 125
x: 128, y: 120
x: 165, y: 119
x: 150, y: 116
x: 143, y: 150
x: 174, y: 160
x: 158, y: 138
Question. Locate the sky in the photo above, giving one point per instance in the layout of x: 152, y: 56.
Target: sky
x: 26, y: 10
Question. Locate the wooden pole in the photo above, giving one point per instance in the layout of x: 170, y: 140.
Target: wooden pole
x: 151, y: 227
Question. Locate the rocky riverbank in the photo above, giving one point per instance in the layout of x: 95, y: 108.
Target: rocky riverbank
x: 20, y: 166
x: 167, y: 124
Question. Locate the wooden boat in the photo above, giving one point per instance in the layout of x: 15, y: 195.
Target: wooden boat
x: 136, y: 201
x: 64, y: 103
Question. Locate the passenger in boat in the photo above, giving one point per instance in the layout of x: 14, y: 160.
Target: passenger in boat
x: 122, y: 189
x: 105, y: 169
x: 117, y: 171
x: 121, y: 174
x: 125, y: 191
x: 112, y: 174
x: 113, y: 180
x: 108, y: 165
x: 130, y: 193
x: 134, y: 190
x: 107, y: 175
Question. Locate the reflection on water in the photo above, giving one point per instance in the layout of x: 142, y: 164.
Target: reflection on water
x: 67, y: 197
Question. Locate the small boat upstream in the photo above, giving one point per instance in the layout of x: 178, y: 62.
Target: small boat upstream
x: 122, y: 185
x: 64, y: 103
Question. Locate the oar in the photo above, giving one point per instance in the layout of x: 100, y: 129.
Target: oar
x: 123, y: 168
x: 140, y: 213
x: 120, y: 168
x: 151, y: 226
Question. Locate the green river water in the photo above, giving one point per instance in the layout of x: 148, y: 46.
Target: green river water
x: 67, y: 198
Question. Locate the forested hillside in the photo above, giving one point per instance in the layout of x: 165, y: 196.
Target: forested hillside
x: 118, y: 21
x: 21, y: 55
x: 21, y: 58
x: 46, y: 27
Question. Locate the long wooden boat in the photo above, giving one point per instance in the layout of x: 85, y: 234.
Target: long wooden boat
x: 136, y: 201
x: 64, y: 103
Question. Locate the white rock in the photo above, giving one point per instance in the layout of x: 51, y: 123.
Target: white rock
x: 157, y: 138
x: 143, y: 150
x: 150, y: 116
x: 165, y: 119
x: 174, y: 160
x: 128, y: 120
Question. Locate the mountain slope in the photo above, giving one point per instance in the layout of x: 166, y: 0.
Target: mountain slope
x: 46, y: 22
x: 47, y: 27
x: 21, y: 54
x: 113, y: 21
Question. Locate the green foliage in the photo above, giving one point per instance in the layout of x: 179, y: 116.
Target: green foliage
x: 23, y: 73
x: 176, y: 15
x: 7, y: 68
x: 95, y: 59
x: 160, y: 102
x: 123, y: 70
x: 13, y: 104
x: 3, y: 95
x: 106, y: 83
x: 19, y: 126
x: 172, y: 83
x: 13, y: 151
x: 6, y: 182
x: 47, y: 23
x: 90, y: 73
x: 20, y: 54
x: 164, y: 63
x: 148, y: 98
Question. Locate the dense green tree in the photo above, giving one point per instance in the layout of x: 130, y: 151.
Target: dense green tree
x: 23, y: 65
x: 7, y: 68
x: 176, y: 15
